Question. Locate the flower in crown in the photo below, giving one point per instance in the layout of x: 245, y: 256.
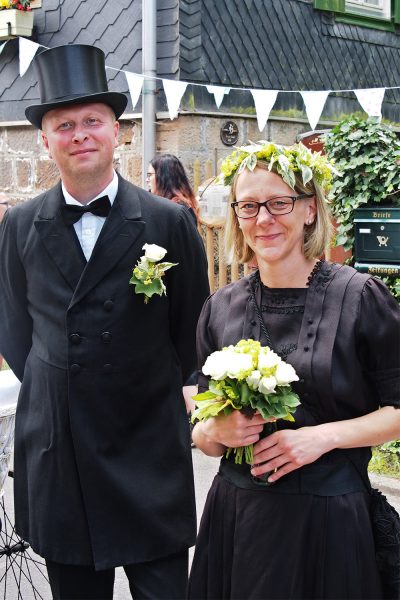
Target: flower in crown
x: 286, y: 160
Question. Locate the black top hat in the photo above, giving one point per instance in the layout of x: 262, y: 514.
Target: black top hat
x: 72, y: 74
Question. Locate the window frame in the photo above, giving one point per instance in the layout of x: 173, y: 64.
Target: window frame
x: 343, y: 16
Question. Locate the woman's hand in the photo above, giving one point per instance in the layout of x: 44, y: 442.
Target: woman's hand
x: 287, y: 450
x: 236, y: 429
x: 215, y: 434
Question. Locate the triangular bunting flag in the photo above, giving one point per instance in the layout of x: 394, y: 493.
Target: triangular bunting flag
x: 27, y: 51
x: 174, y: 91
x: 314, y: 103
x: 219, y: 93
x: 135, y: 84
x: 2, y: 46
x: 371, y: 100
x: 264, y: 100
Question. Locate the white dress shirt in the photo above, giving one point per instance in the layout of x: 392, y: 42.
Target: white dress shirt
x: 89, y: 226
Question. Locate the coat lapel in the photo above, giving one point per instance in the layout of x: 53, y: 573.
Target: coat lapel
x: 122, y: 228
x: 60, y: 241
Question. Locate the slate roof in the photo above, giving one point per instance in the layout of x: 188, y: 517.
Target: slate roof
x: 287, y: 45
x: 114, y: 26
x: 268, y: 44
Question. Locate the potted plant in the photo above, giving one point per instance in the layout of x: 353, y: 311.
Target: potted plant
x: 16, y: 18
x: 367, y: 154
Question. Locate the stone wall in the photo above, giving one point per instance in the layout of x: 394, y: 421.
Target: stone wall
x: 26, y: 170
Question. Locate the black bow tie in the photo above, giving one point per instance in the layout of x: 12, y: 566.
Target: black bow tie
x: 72, y: 212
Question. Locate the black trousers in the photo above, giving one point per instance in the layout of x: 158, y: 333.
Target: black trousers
x: 162, y: 579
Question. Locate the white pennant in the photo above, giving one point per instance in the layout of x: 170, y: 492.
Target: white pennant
x: 264, y: 100
x: 2, y: 46
x: 135, y: 84
x: 371, y: 100
x: 27, y: 51
x: 219, y: 93
x: 174, y: 91
x: 314, y: 103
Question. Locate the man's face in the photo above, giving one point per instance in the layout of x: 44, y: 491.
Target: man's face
x: 81, y: 140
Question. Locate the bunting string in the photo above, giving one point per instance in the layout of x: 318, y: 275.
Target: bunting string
x: 370, y: 99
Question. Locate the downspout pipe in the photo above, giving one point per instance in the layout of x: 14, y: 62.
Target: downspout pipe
x: 149, y: 70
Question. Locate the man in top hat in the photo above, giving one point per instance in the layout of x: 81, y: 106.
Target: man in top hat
x: 103, y: 472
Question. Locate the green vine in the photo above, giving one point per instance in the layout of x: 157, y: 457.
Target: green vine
x: 367, y: 154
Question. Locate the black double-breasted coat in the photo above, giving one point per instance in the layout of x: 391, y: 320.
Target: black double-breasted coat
x: 103, y: 471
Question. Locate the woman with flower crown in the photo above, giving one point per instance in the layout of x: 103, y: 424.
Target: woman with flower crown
x: 303, y: 531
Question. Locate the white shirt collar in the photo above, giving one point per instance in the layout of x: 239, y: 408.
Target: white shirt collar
x: 110, y: 191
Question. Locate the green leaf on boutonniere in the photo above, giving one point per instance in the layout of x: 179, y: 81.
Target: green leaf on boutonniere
x: 149, y: 289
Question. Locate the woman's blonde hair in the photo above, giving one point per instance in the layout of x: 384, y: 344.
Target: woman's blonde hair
x: 317, y: 235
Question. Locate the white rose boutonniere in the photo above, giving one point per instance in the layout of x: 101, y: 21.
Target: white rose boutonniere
x: 148, y: 273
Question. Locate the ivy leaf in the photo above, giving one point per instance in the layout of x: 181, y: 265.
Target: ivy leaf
x: 306, y: 173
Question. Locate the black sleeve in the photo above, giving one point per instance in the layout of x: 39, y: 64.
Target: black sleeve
x: 379, y: 339
x: 15, y: 320
x: 188, y: 288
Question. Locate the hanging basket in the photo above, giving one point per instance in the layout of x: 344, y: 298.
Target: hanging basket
x: 14, y: 23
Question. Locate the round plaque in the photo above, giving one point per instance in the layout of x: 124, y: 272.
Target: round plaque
x: 229, y: 133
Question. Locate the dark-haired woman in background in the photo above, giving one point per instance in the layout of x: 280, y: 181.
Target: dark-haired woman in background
x: 166, y: 177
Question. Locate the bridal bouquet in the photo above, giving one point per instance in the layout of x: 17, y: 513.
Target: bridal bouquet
x: 247, y: 377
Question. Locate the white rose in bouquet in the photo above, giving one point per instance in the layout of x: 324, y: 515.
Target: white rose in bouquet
x: 267, y: 359
x: 238, y: 365
x: 267, y: 385
x: 216, y: 365
x: 285, y: 374
x: 253, y: 380
x: 153, y: 252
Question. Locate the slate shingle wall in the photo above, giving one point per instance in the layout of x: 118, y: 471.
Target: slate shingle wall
x: 288, y: 45
x: 115, y: 26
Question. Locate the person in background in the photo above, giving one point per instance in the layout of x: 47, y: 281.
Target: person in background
x: 103, y: 467
x: 305, y: 532
x: 166, y: 177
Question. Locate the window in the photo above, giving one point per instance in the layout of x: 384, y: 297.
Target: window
x: 380, y: 14
x: 377, y: 9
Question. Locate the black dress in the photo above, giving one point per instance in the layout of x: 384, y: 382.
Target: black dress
x: 309, y: 535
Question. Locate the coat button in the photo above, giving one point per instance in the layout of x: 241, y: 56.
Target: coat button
x: 108, y: 305
x: 253, y: 323
x: 310, y: 321
x: 107, y: 368
x: 75, y: 338
x: 106, y: 337
x: 306, y: 348
x: 75, y: 368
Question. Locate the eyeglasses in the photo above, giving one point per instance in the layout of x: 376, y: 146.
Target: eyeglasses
x: 281, y: 205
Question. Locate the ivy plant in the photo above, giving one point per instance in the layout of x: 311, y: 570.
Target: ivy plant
x: 367, y: 154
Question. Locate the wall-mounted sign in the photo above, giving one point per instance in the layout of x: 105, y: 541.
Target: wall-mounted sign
x: 229, y: 133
